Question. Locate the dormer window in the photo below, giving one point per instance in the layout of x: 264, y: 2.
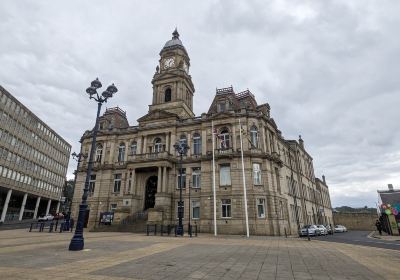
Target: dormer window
x: 167, y: 95
x: 221, y: 107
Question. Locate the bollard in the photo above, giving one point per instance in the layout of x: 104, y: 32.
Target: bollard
x: 308, y: 235
x: 285, y: 233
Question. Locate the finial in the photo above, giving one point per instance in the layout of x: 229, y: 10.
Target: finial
x: 175, y: 34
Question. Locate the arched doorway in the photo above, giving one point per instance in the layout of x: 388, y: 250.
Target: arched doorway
x: 151, y: 190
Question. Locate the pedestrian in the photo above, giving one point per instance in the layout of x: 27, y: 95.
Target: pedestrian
x: 71, y: 223
x: 379, y: 226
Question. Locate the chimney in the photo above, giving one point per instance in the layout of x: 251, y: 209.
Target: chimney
x: 390, y: 187
x: 301, y: 142
x: 323, y: 179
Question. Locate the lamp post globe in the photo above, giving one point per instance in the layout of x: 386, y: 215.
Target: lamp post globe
x: 77, y: 241
x: 181, y: 148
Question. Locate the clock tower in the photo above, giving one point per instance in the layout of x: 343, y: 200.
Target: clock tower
x: 172, y: 85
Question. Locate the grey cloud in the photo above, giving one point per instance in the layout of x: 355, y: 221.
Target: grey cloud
x: 329, y: 70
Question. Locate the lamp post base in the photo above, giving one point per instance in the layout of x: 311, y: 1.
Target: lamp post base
x: 77, y: 243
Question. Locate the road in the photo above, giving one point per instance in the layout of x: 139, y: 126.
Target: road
x: 360, y: 238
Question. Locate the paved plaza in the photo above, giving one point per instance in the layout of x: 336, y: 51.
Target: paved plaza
x: 25, y: 255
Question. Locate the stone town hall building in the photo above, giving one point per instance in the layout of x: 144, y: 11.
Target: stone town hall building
x: 136, y: 167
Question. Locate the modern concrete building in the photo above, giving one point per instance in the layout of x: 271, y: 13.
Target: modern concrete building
x: 136, y: 167
x: 33, y: 162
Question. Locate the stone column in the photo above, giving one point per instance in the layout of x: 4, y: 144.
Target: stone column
x: 165, y: 177
x: 48, y: 206
x: 58, y: 207
x: 233, y: 143
x: 21, y: 211
x: 111, y: 159
x: 204, y: 141
x: 133, y: 182
x: 159, y: 181
x: 172, y: 143
x: 264, y: 142
x: 167, y: 142
x: 36, y: 208
x: 189, y: 141
x: 144, y: 150
x: 5, y: 207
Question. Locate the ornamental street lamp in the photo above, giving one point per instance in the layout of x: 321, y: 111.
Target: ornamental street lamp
x: 77, y: 242
x: 181, y: 148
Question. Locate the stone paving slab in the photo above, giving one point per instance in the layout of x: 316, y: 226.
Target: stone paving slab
x: 122, y: 256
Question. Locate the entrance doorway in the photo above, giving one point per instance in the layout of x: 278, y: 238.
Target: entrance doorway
x: 151, y: 190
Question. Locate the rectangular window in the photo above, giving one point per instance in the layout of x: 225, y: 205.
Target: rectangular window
x: 195, y: 209
x: 196, y: 144
x: 92, y: 184
x: 225, y: 175
x: 113, y: 206
x: 196, y: 177
x: 117, y: 183
x: 261, y: 207
x: 226, y: 208
x: 183, y: 179
x: 256, y: 174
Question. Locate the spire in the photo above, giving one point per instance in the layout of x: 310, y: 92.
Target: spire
x: 175, y: 34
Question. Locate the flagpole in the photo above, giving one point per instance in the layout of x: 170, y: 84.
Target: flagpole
x: 213, y: 166
x: 244, y: 182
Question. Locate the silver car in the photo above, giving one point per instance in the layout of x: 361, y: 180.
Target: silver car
x: 312, y: 230
x: 340, y: 228
x: 323, y: 230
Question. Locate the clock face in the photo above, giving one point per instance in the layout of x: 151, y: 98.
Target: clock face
x: 185, y: 67
x: 169, y: 62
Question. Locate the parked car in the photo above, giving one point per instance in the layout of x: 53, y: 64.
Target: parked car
x: 329, y: 229
x: 47, y: 217
x: 340, y: 228
x: 322, y: 229
x: 312, y: 230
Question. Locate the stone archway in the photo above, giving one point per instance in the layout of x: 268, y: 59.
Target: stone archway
x: 150, y: 193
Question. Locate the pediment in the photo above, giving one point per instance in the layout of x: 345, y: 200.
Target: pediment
x: 157, y: 115
x: 221, y: 115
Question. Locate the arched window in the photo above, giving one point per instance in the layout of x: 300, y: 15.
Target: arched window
x: 157, y: 145
x: 121, y: 152
x: 183, y: 139
x: 224, y: 138
x: 167, y: 96
x: 99, y: 152
x: 196, y: 144
x: 254, y: 137
x: 133, y: 148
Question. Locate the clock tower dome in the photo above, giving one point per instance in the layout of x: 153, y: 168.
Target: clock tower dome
x: 172, y: 85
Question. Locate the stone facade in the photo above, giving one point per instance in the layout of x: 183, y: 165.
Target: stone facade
x: 136, y: 167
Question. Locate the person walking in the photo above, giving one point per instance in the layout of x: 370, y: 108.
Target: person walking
x: 71, y: 224
x: 379, y: 226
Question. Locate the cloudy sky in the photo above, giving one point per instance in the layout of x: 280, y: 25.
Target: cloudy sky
x: 329, y: 70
